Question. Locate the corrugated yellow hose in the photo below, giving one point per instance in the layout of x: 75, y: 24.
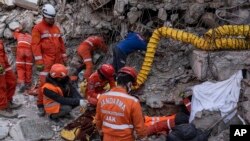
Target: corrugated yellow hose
x: 228, y: 30
x: 199, y: 42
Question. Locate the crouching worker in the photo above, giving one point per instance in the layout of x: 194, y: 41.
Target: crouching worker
x: 118, y: 114
x: 97, y: 81
x: 59, y: 96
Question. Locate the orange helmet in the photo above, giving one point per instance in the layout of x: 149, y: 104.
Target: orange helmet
x: 107, y: 71
x: 131, y: 71
x: 58, y: 71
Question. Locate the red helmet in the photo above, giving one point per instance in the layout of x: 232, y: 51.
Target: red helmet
x: 58, y: 71
x: 131, y: 71
x: 107, y: 71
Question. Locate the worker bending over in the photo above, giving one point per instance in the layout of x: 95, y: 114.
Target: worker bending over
x: 84, y: 58
x: 97, y: 81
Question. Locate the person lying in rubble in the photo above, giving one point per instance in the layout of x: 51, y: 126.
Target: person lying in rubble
x: 59, y: 97
x: 132, y: 42
x: 97, y: 81
x: 84, y: 58
x: 118, y: 114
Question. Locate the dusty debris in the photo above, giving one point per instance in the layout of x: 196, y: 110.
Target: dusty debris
x: 4, y: 129
x: 32, y: 130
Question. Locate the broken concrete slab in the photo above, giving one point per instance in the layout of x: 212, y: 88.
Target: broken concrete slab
x: 218, y: 65
x: 7, y: 2
x: 4, y: 129
x: 27, y: 4
x: 162, y: 14
x: 154, y: 101
x: 7, y: 33
x: 14, y: 25
x: 31, y: 130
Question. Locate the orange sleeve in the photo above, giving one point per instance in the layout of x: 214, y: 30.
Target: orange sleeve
x: 85, y: 54
x: 98, y: 116
x: 138, y: 121
x: 36, y: 46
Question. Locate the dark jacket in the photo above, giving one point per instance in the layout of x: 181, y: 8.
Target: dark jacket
x: 132, y: 42
x: 71, y: 95
x: 186, y: 132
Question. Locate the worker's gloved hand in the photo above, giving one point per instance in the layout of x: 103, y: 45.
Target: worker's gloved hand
x: 83, y: 103
x: 40, y: 67
x: 1, y: 69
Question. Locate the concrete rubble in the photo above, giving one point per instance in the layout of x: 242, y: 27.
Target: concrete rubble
x: 176, y: 65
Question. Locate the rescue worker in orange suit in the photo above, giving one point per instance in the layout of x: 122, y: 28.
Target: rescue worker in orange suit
x: 24, y: 59
x: 85, y: 53
x: 48, y: 47
x: 97, y: 81
x: 7, y: 86
x: 119, y: 114
x: 60, y: 97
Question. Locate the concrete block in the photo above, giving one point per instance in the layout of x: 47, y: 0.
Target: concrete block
x: 199, y: 64
x: 27, y: 4
x: 7, y: 2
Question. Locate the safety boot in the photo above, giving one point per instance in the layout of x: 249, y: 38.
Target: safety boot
x: 12, y: 105
x: 7, y: 113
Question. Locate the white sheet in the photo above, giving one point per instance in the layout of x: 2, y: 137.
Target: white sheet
x: 220, y: 96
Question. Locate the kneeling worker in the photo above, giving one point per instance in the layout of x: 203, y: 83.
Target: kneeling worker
x: 59, y: 96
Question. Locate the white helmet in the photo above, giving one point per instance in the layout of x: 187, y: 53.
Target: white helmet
x: 48, y: 11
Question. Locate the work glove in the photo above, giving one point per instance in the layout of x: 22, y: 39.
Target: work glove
x: 1, y: 69
x: 83, y: 103
x: 40, y: 67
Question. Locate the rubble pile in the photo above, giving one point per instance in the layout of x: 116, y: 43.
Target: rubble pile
x: 176, y: 66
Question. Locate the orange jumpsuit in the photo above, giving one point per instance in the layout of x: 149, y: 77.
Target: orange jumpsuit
x: 86, y: 49
x: 158, y: 124
x: 48, y: 48
x: 7, y: 79
x: 95, y: 87
x: 118, y: 115
x: 24, y: 57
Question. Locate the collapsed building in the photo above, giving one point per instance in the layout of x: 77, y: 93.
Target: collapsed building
x: 176, y: 65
